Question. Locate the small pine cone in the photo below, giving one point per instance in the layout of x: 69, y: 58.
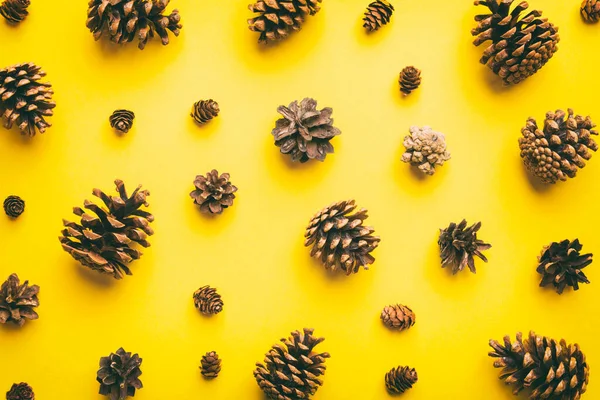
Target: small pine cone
x: 378, y: 14
x: 208, y: 301
x: 210, y: 365
x: 400, y: 379
x: 14, y: 206
x: 18, y: 301
x: 205, y: 110
x: 458, y: 244
x: 560, y: 264
x: 119, y: 375
x: 590, y: 10
x: 425, y: 148
x: 410, y: 79
x: 122, y: 120
x: 20, y: 391
x: 557, y: 150
x: 14, y: 11
x: 213, y: 193
x: 398, y: 317
x: 278, y: 18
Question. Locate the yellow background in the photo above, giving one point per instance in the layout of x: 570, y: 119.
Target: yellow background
x: 253, y: 253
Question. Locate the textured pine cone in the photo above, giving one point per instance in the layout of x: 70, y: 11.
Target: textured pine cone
x: 119, y: 375
x: 400, y: 379
x: 14, y: 206
x: 339, y: 239
x: 378, y: 14
x: 213, y: 192
x: 291, y: 371
x: 278, y: 18
x: 14, y: 11
x: 304, y: 132
x: 520, y: 46
x: 560, y: 264
x: 25, y: 100
x: 556, y: 151
x: 125, y: 20
x: 548, y: 368
x: 205, y: 110
x: 103, y: 242
x: 409, y: 79
x: 590, y: 10
x: 425, y: 148
x: 208, y: 301
x: 210, y: 365
x: 20, y: 391
x: 17, y: 302
x: 458, y: 244
x: 398, y: 317
x: 122, y: 120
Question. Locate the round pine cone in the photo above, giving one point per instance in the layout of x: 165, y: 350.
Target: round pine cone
x: 119, y: 375
x: 410, y: 79
x: 20, y: 391
x: 213, y: 193
x: 205, y: 110
x: 378, y: 14
x: 210, y: 365
x: 560, y: 264
x: 17, y: 302
x: 278, y: 18
x: 398, y: 317
x: 122, y: 120
x: 425, y: 148
x: 208, y: 301
x: 556, y: 151
x: 458, y: 244
x: 590, y: 10
x: 400, y: 379
x: 14, y: 206
x: 14, y: 11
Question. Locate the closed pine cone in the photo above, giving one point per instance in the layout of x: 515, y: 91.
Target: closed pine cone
x: 17, y: 301
x: 400, y: 379
x: 458, y: 244
x: 208, y: 301
x: 119, y: 375
x: 410, y: 79
x: 20, y: 391
x: 210, y: 365
x: 278, y: 18
x: 122, y: 120
x: 557, y: 150
x: 398, y: 317
x: 549, y: 369
x: 378, y: 14
x: 560, y: 264
x: 14, y: 11
x: 14, y: 206
x: 213, y: 192
x: 590, y: 10
x: 205, y: 110
x: 425, y: 149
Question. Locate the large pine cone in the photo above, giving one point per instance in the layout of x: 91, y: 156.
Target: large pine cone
x: 20, y: 391
x: 103, y: 241
x: 590, y: 10
x: 205, y: 110
x: 17, y: 302
x: 339, y: 239
x: 400, y: 379
x: 210, y: 365
x: 458, y: 244
x: 550, y: 369
x: 292, y: 370
x: 398, y: 317
x: 14, y: 11
x: 425, y: 149
x: 208, y: 301
x: 25, y: 100
x: 409, y: 79
x: 378, y: 14
x: 119, y: 375
x: 560, y: 264
x: 126, y: 20
x: 556, y: 151
x: 278, y: 18
x: 520, y: 46
x: 213, y: 192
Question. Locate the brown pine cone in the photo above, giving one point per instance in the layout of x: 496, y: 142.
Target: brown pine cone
x: 425, y: 149
x: 205, y: 110
x: 400, y: 379
x: 378, y: 14
x: 18, y: 301
x: 278, y: 18
x: 590, y: 10
x: 459, y: 244
x: 122, y: 120
x: 208, y: 301
x: 20, y: 391
x: 119, y: 375
x: 410, y: 79
x: 213, y: 193
x: 398, y: 317
x: 560, y: 264
x: 210, y: 365
x: 14, y: 11
x: 14, y: 206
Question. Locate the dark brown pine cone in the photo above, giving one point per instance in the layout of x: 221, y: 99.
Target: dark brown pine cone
x: 410, y: 79
x: 398, y: 317
x: 560, y: 264
x: 378, y: 14
x: 126, y: 20
x: 210, y: 365
x: 458, y: 244
x: 278, y: 18
x: 205, y: 110
x: 213, y: 193
x: 400, y: 379
x: 17, y: 302
x: 208, y: 301
x: 14, y: 206
x: 14, y: 11
x: 20, y: 391
x: 119, y: 375
x: 122, y: 120
x: 590, y: 10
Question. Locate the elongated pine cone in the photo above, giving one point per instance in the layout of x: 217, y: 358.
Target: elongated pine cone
x: 14, y: 11
x: 119, y: 375
x: 561, y: 264
x: 548, y: 368
x: 378, y: 14
x: 278, y: 18
x: 205, y: 110
x: 122, y: 120
x: 14, y: 206
x: 339, y: 239
x: 398, y: 317
x: 400, y: 379
x: 17, y: 302
x: 425, y: 149
x: 590, y: 10
x: 409, y: 79
x: 292, y: 371
x: 126, y: 20
x: 20, y: 391
x: 556, y: 151
x: 103, y: 242
x: 208, y: 301
x: 458, y: 244
x: 213, y: 192
x: 519, y: 46
x: 24, y: 100
x: 210, y: 365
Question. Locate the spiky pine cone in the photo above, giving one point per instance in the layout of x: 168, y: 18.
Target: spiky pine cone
x: 122, y: 120
x: 291, y: 371
x: 205, y: 110
x: 119, y: 375
x: 561, y: 264
x: 208, y: 301
x: 25, y: 100
x: 550, y: 369
x: 398, y: 317
x: 425, y: 148
x: 378, y: 14
x: 590, y: 10
x: 278, y: 18
x: 14, y: 206
x: 103, y: 242
x: 400, y: 379
x: 126, y: 20
x: 409, y: 79
x: 20, y: 391
x: 339, y: 239
x: 555, y: 152
x: 458, y: 244
x: 210, y: 365
x: 213, y: 192
x: 520, y: 46
x: 14, y: 11
x: 17, y: 302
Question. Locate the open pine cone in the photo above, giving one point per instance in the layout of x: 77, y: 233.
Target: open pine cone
x: 425, y: 149
x: 458, y: 244
x: 119, y: 375
x: 560, y: 264
x: 20, y: 391
x: 210, y: 365
x: 378, y: 14
x: 213, y: 192
x: 278, y: 18
x: 400, y: 379
x: 398, y: 317
x: 590, y: 10
x: 208, y: 301
x: 14, y: 11
x: 17, y: 301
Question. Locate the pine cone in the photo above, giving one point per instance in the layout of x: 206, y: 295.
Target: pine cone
x: 24, y: 100
x: 210, y: 365
x: 292, y: 370
x: 560, y: 264
x: 400, y: 379
x: 555, y: 152
x: 126, y: 20
x: 590, y: 10
x: 18, y: 301
x: 304, y: 132
x: 520, y: 46
x: 410, y: 79
x: 119, y: 375
x: 205, y: 110
x: 425, y: 148
x: 378, y: 14
x: 122, y: 120
x: 213, y: 193
x: 398, y: 317
x: 14, y: 206
x: 550, y: 369
x: 103, y: 242
x: 14, y: 11
x: 208, y: 301
x: 339, y: 239
x: 20, y: 391
x: 458, y: 245
x: 278, y: 18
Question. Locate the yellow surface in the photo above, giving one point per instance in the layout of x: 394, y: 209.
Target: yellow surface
x: 254, y: 252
